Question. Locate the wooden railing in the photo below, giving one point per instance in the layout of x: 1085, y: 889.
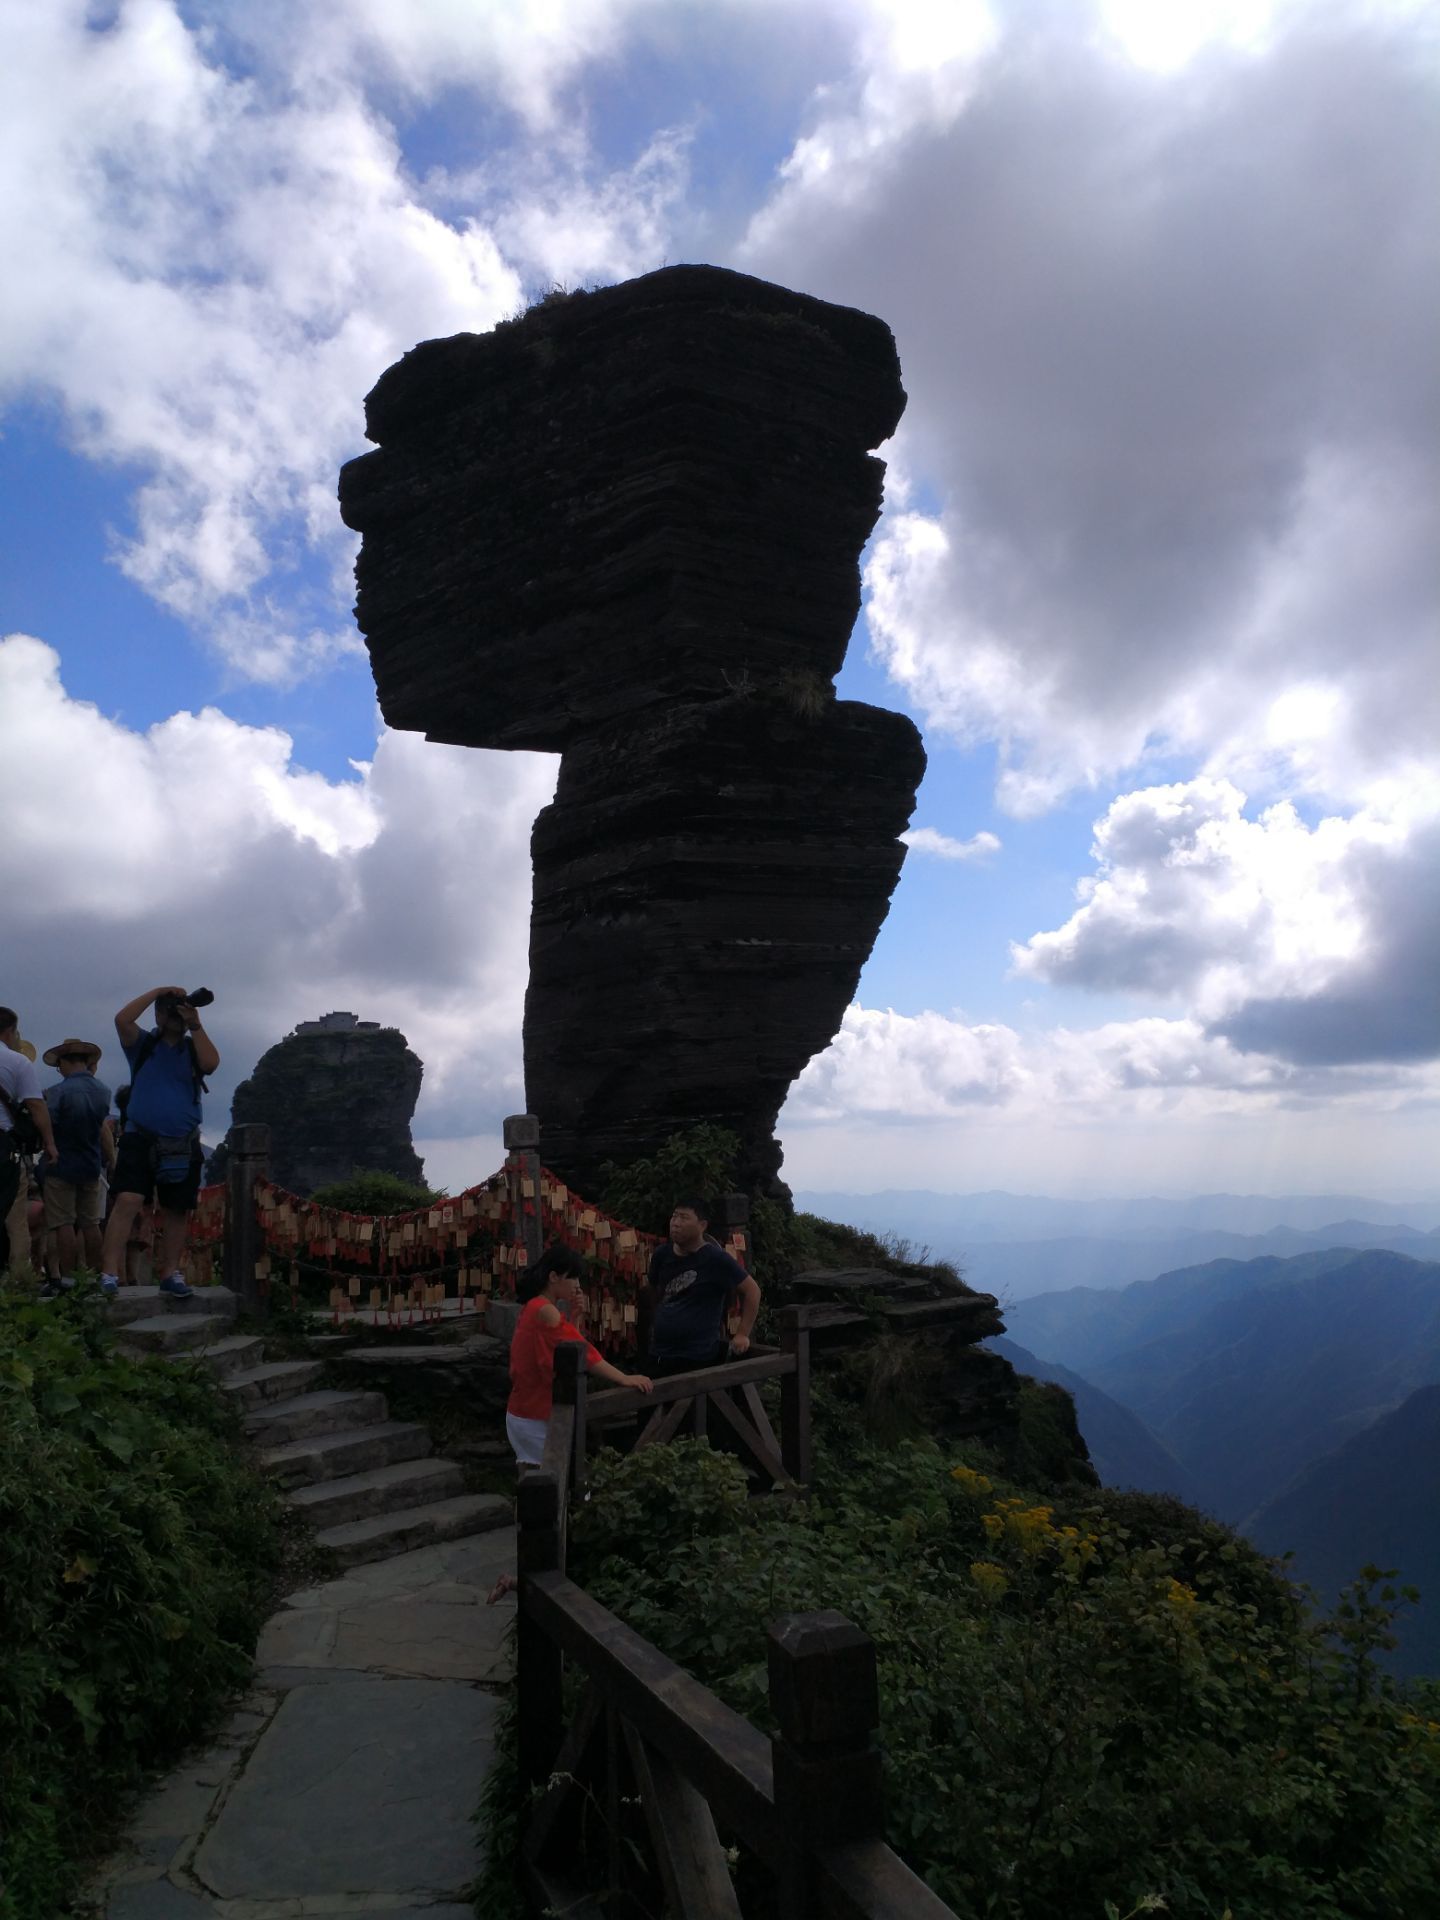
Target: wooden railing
x: 645, y: 1735
x: 724, y: 1399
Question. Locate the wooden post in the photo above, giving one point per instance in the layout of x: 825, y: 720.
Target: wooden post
x: 825, y: 1695
x: 735, y: 1216
x: 248, y: 1161
x: 571, y: 1382
x: 522, y: 1169
x: 795, y: 1394
x: 539, y: 1667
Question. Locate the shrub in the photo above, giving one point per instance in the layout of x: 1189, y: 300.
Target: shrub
x: 700, y: 1160
x: 372, y: 1191
x: 136, y: 1555
x: 1080, y: 1704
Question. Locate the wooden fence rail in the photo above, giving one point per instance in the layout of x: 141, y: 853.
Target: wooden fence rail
x: 807, y: 1803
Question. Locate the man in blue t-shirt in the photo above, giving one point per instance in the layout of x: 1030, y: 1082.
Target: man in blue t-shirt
x: 159, y: 1156
x: 692, y: 1283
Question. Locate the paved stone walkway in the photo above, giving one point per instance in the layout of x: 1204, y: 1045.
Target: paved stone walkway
x: 347, y: 1782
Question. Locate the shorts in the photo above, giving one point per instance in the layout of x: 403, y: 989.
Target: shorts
x: 527, y: 1437
x: 72, y: 1203
x: 135, y: 1173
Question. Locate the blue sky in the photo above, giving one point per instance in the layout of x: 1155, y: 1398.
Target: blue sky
x: 1156, y: 575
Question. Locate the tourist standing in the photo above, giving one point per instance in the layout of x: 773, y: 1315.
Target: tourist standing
x: 159, y: 1155
x: 552, y: 1285
x: 80, y: 1116
x: 692, y: 1284
x: 24, y: 1123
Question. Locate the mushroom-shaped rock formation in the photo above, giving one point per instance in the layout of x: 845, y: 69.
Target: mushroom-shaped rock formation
x: 626, y: 528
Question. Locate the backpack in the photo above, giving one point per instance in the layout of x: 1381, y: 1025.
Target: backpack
x: 24, y: 1134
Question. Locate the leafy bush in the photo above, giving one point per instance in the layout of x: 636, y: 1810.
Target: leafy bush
x: 371, y: 1191
x: 1081, y: 1704
x: 700, y: 1160
x: 135, y: 1562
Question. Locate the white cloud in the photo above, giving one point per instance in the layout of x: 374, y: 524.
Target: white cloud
x: 1313, y: 943
x: 198, y: 849
x: 930, y: 840
x: 889, y: 1069
x: 220, y: 259
x: 1172, y: 388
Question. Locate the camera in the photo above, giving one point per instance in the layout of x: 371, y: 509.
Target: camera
x: 198, y: 997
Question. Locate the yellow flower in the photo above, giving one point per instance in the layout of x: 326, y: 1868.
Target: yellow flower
x: 993, y: 1581
x: 973, y: 1483
x: 1182, y: 1600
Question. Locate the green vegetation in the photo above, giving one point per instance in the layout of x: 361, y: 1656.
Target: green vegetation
x: 700, y: 1160
x: 1086, y: 1697
x: 368, y: 1191
x: 136, y: 1561
x: 703, y: 1160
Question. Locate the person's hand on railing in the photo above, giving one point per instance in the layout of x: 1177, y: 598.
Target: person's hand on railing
x: 739, y: 1343
x: 641, y: 1382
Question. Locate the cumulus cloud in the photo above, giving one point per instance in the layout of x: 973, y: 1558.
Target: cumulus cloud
x: 943, y: 847
x: 1168, y: 336
x: 223, y: 248
x: 1312, y: 943
x: 199, y: 850
x: 923, y: 1070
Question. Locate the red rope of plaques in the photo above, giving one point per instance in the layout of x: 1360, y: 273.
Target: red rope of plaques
x: 415, y: 1259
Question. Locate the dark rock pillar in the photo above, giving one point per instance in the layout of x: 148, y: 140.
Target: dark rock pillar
x: 627, y: 527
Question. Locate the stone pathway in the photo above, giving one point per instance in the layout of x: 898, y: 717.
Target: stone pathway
x: 347, y: 1782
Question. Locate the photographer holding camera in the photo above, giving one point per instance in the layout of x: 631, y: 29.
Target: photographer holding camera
x: 159, y: 1155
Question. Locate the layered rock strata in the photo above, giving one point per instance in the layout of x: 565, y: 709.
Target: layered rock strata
x: 335, y: 1097
x: 627, y: 528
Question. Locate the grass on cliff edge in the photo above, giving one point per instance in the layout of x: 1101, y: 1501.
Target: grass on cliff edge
x: 1087, y: 1698
x: 137, y: 1555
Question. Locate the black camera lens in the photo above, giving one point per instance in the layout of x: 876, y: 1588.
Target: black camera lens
x: 201, y: 997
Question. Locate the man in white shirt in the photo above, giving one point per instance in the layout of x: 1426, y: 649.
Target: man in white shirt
x: 20, y: 1100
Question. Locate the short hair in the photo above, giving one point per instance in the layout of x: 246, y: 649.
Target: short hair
x: 555, y: 1259
x: 700, y: 1208
x: 8, y: 1018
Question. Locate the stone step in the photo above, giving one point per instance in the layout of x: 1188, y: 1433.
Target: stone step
x: 332, y: 1456
x: 174, y: 1332
x: 405, y: 1483
x: 142, y: 1303
x: 357, y: 1542
x: 328, y: 1411
x: 233, y: 1354
x: 275, y: 1380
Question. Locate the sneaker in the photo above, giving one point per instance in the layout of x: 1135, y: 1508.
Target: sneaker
x: 176, y: 1287
x: 109, y: 1285
x: 49, y: 1291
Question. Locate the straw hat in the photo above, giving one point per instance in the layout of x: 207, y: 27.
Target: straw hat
x: 24, y: 1046
x: 87, y: 1047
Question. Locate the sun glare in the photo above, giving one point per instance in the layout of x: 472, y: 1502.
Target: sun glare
x: 1165, y: 34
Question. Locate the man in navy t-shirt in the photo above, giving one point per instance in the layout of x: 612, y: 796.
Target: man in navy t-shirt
x: 159, y: 1155
x: 692, y: 1283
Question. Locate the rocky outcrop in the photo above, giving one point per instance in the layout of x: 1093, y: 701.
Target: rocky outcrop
x: 627, y: 528
x: 336, y: 1094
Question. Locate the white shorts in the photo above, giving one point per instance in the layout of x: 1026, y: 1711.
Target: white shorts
x: 527, y: 1437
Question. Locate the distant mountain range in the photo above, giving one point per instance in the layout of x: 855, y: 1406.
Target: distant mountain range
x: 1269, y: 1382
x: 1375, y: 1499
x: 1123, y: 1450
x: 1015, y: 1246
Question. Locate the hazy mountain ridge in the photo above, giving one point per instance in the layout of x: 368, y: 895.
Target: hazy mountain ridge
x: 1005, y: 1249
x: 1331, y: 1515
x: 998, y: 1215
x: 1125, y: 1452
